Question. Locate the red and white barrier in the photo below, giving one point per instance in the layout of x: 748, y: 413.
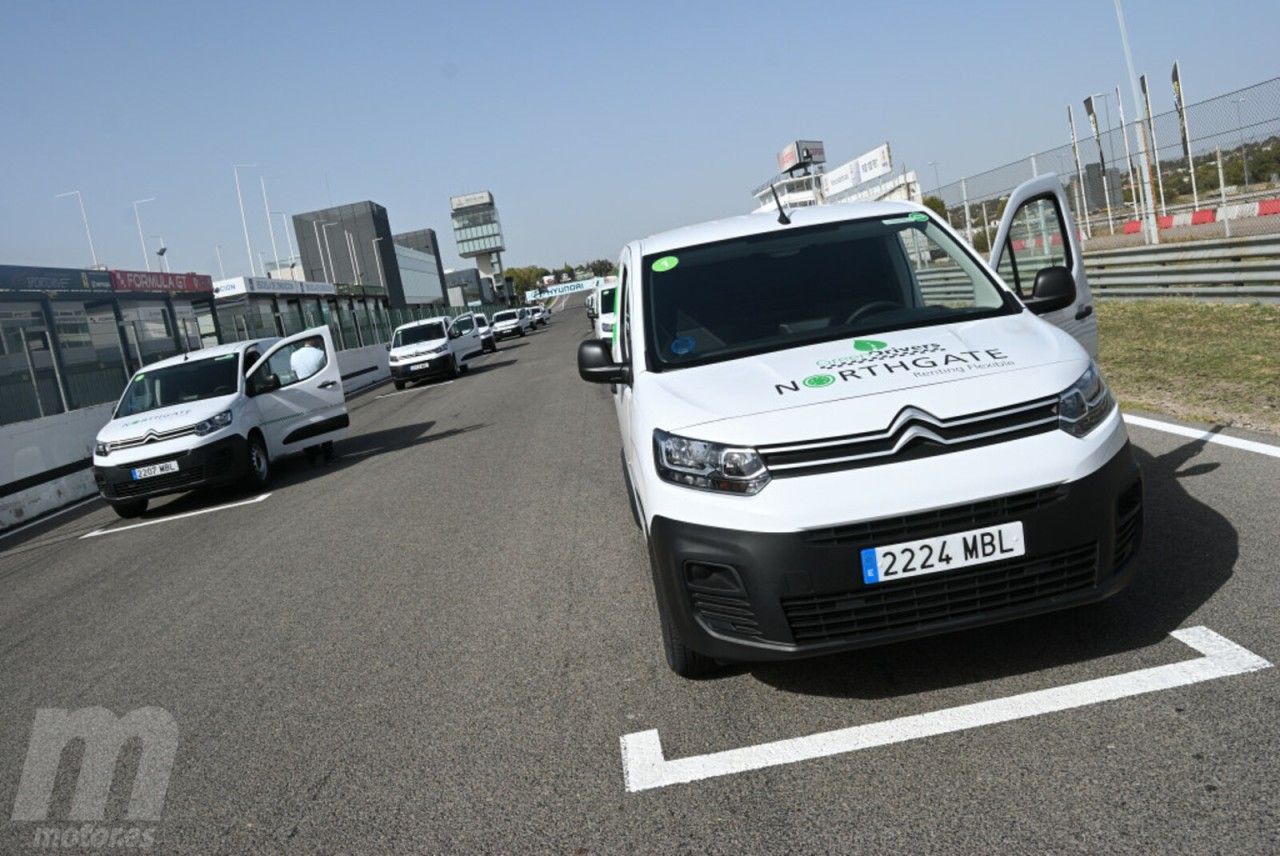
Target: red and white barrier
x: 1238, y: 211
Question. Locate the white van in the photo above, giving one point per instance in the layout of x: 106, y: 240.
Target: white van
x: 843, y: 428
x: 219, y: 415
x: 433, y: 347
x: 602, y: 321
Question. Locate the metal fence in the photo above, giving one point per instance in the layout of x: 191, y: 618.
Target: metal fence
x: 1244, y: 126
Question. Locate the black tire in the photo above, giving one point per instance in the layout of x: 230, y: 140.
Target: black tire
x: 491, y: 347
x: 257, y: 463
x: 130, y: 508
x: 681, y: 659
x: 631, y: 494
x: 521, y: 332
x: 453, y: 367
x: 399, y: 384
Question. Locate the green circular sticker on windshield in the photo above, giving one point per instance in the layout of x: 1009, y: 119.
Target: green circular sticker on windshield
x: 665, y: 264
x: 819, y: 380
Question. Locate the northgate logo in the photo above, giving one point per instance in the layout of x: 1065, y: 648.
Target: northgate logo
x: 105, y: 737
x: 918, y: 366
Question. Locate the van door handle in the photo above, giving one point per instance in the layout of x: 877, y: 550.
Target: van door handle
x: 1084, y: 312
x: 329, y: 384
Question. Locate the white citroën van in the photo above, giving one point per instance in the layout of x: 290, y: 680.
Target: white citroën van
x: 842, y: 427
x: 219, y: 415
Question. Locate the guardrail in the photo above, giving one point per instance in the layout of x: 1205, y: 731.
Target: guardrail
x: 1223, y: 268
x: 1226, y: 267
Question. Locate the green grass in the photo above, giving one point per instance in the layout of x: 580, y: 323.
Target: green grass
x: 1204, y: 362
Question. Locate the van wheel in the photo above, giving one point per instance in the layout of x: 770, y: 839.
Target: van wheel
x: 132, y: 508
x: 521, y: 332
x: 399, y: 384
x: 683, y: 660
x: 454, y: 371
x: 257, y: 463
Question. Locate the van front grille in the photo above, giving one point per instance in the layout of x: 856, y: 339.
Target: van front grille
x: 939, y: 598
x: 913, y: 434
x: 938, y: 521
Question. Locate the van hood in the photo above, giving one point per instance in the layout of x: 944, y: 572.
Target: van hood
x: 860, y: 384
x: 417, y: 348
x: 164, y: 418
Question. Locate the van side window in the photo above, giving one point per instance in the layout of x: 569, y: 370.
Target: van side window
x: 464, y: 324
x: 292, y: 363
x: 1037, y: 239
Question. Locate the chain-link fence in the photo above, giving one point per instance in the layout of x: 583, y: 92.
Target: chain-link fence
x: 1104, y: 183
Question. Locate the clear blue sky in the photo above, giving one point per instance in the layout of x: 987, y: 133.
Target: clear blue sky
x: 593, y: 123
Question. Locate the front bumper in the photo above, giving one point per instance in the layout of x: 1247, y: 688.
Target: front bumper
x: 425, y: 367
x: 737, y: 595
x: 215, y: 463
x: 506, y: 333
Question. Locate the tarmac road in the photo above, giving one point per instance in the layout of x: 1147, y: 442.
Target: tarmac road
x: 436, y: 642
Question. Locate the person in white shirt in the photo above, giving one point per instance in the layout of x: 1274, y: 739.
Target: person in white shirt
x: 307, y: 360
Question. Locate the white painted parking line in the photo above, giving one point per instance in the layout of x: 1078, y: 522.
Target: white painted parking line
x: 107, y: 531
x: 644, y: 767
x: 1207, y: 436
x: 61, y: 511
x: 415, y: 389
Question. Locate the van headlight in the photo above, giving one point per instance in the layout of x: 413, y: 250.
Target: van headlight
x: 1085, y: 403
x: 708, y: 466
x: 101, y: 449
x: 208, y: 426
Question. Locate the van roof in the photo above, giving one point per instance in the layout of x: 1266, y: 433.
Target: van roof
x: 757, y: 224
x: 421, y: 321
x: 206, y: 353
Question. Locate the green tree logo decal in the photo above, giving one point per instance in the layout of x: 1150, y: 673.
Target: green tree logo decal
x: 868, y: 345
x: 818, y: 381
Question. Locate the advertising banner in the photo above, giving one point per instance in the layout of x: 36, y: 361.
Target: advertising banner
x: 864, y: 168
x: 468, y: 200
x: 801, y: 153
x: 141, y: 280
x: 19, y: 278
x: 265, y: 285
x: 1181, y: 107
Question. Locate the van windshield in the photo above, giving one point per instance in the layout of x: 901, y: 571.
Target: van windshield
x: 418, y: 333
x: 784, y: 289
x: 509, y: 315
x: 151, y: 389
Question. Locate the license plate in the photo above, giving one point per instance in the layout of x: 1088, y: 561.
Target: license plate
x: 417, y: 367
x: 154, y: 470
x: 944, y: 553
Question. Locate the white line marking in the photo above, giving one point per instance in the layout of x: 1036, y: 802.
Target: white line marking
x: 105, y: 531
x: 1207, y: 436
x: 415, y: 389
x: 644, y: 767
x: 61, y: 511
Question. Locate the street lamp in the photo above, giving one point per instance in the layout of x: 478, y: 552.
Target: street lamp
x: 217, y: 250
x: 324, y: 227
x: 288, y: 235
x: 377, y: 255
x: 315, y: 226
x: 1240, y: 129
x: 248, y: 247
x: 146, y: 256
x: 937, y: 191
x: 275, y: 254
x: 85, y: 218
x: 163, y: 252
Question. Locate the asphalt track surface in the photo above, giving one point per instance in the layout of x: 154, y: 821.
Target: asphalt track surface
x: 436, y: 642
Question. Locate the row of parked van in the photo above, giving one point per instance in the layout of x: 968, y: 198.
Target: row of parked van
x: 227, y: 413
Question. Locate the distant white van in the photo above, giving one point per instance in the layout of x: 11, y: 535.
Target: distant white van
x: 219, y: 415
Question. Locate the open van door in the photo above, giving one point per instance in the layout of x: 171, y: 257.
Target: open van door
x: 297, y: 387
x: 1037, y: 231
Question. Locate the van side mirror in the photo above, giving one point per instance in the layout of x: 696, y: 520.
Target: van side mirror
x: 1054, y: 288
x: 596, y: 365
x: 269, y: 383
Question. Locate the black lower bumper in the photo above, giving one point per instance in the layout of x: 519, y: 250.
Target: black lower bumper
x: 737, y: 595
x: 427, y: 368
x: 216, y: 463
x: 499, y: 335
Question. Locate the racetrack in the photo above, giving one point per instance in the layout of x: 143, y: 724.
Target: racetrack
x: 437, y: 641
